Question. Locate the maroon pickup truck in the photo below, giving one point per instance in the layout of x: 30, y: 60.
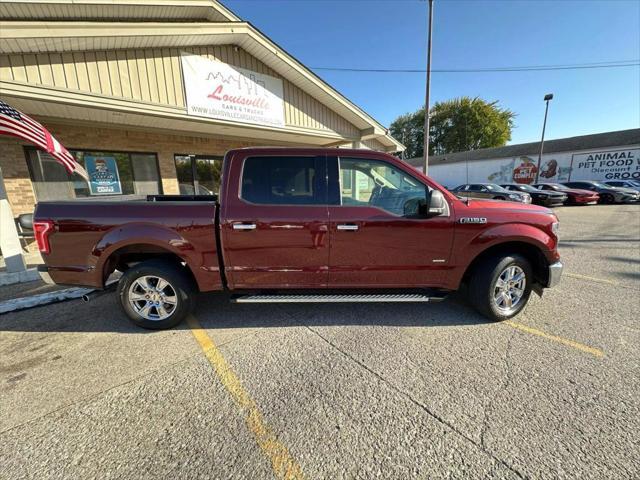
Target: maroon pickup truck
x: 304, y: 225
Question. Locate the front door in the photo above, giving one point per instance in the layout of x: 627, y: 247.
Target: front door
x: 275, y: 227
x: 378, y: 238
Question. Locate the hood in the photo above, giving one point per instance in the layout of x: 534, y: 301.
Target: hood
x: 501, y: 204
x: 624, y: 190
x: 579, y: 191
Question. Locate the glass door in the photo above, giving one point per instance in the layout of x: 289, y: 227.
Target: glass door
x: 198, y: 174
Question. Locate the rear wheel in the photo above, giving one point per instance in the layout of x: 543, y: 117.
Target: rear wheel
x: 499, y: 287
x: 156, y: 294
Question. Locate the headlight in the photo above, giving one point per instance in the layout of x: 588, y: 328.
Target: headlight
x: 514, y: 197
x: 555, y: 228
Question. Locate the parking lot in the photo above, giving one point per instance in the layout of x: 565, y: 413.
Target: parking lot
x: 338, y: 390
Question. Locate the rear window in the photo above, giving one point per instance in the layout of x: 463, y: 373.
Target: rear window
x: 281, y: 181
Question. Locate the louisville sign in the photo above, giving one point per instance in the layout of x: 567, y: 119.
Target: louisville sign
x: 222, y: 91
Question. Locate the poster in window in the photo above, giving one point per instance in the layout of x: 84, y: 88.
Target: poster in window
x: 103, y: 175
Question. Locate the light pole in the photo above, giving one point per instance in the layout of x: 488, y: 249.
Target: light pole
x: 426, y: 103
x: 547, y: 98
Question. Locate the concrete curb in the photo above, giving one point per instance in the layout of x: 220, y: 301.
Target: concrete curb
x: 29, y: 275
x: 42, y: 299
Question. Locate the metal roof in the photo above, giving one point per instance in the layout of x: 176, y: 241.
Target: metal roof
x: 582, y: 142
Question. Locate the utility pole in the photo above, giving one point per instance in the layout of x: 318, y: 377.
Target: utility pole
x: 547, y: 98
x: 426, y: 103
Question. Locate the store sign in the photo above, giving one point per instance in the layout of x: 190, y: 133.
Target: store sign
x: 606, y: 165
x: 103, y: 175
x: 218, y: 90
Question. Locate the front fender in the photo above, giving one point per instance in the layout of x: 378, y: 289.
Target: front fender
x: 470, y: 246
x: 513, y: 232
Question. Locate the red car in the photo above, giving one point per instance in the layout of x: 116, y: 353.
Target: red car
x: 304, y: 225
x: 575, y: 196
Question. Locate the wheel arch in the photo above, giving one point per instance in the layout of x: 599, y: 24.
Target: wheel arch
x: 531, y: 252
x: 129, y: 254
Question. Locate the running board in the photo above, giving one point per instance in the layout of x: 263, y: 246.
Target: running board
x: 320, y: 298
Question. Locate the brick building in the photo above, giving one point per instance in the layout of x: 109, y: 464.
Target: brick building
x: 149, y: 94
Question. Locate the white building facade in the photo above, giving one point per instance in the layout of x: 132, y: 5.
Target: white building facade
x: 603, y: 156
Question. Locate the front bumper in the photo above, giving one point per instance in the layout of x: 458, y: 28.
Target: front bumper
x: 555, y: 272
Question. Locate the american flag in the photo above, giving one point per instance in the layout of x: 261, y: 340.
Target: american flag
x: 17, y: 124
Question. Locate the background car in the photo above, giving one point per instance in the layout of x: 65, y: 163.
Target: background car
x: 490, y: 191
x: 632, y: 184
x: 608, y: 194
x: 575, y: 196
x: 539, y: 197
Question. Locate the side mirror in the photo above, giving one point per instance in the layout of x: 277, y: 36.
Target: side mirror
x: 436, y: 203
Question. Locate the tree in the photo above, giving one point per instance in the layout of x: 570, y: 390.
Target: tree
x: 456, y: 125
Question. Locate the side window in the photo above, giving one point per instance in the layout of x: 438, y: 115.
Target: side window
x: 374, y: 183
x: 475, y: 188
x: 281, y: 181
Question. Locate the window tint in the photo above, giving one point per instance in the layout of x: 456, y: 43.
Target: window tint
x: 281, y: 181
x: 373, y: 183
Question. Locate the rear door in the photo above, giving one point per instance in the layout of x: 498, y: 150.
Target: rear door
x: 274, y: 222
x: 378, y: 239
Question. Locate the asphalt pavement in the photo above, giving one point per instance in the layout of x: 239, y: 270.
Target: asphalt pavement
x: 340, y: 391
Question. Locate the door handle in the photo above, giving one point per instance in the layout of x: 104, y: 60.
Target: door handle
x: 244, y: 226
x: 348, y: 227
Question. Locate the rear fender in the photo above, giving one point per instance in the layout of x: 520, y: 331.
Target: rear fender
x: 142, y: 234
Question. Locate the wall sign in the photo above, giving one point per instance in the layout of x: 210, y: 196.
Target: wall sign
x: 606, y: 165
x: 218, y: 90
x: 103, y: 175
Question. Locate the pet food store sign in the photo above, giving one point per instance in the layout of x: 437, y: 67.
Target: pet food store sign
x: 218, y: 90
x: 606, y: 165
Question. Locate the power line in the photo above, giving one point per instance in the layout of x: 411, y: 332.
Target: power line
x: 530, y: 68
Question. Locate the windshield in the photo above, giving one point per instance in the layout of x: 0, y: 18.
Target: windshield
x: 601, y: 185
x: 635, y: 183
x: 495, y: 188
x: 527, y: 188
x: 558, y: 186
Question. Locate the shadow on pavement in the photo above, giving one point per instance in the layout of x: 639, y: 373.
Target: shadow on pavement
x: 214, y: 311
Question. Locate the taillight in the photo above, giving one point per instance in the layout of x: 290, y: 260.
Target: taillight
x: 41, y: 231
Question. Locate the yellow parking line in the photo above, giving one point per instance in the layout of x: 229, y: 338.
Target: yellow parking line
x: 591, y: 279
x: 283, y: 465
x: 565, y: 341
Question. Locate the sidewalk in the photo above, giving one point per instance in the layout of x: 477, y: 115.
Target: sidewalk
x: 32, y: 259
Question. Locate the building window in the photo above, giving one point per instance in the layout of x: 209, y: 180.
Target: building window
x: 111, y: 173
x: 198, y: 174
x: 280, y: 181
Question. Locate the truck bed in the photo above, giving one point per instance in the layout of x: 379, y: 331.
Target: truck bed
x: 91, y: 238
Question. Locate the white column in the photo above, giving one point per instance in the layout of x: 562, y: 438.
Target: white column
x: 9, y: 240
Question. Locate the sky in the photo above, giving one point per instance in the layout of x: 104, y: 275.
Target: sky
x: 472, y: 34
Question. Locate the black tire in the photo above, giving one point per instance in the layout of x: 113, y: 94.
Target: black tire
x: 178, y: 282
x: 500, y: 198
x: 482, y: 285
x: 607, y: 198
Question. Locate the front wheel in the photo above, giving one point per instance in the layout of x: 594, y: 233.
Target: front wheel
x: 499, y: 287
x: 156, y: 294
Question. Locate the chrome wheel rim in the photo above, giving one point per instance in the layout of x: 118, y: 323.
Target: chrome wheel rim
x: 152, y: 297
x: 509, y: 288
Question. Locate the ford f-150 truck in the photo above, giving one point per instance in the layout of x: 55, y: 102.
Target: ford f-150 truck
x: 303, y: 225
